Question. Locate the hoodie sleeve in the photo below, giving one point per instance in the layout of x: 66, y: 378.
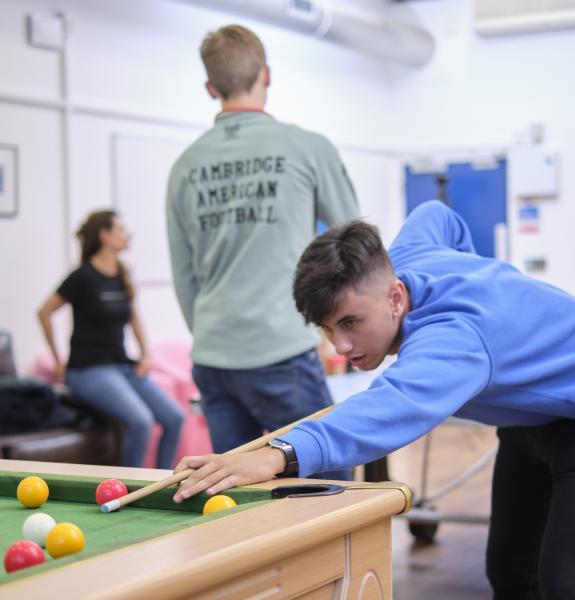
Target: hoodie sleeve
x: 440, y: 367
x: 181, y: 250
x: 335, y: 197
x: 435, y: 223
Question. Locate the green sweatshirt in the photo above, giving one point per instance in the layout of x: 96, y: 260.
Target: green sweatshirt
x: 242, y: 205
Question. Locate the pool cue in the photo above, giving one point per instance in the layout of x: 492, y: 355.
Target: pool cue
x: 260, y: 442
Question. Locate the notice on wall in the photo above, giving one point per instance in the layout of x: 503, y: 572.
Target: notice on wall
x: 531, y: 239
x: 529, y: 219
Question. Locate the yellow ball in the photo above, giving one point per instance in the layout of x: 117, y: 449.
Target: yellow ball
x: 32, y: 492
x: 64, y: 539
x: 217, y: 503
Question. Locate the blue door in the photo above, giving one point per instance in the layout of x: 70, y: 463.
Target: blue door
x: 477, y: 193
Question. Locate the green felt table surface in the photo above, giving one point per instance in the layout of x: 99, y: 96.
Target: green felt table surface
x: 72, y: 500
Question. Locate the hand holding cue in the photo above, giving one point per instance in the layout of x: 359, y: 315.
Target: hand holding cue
x: 260, y: 442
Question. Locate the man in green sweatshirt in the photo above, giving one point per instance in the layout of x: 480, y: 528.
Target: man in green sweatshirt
x: 243, y: 203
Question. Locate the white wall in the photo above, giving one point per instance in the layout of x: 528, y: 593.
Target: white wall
x: 134, y: 72
x: 484, y: 93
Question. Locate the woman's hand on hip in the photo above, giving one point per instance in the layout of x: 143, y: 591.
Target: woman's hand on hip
x: 143, y: 366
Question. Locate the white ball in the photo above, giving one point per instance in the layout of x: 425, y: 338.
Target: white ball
x: 37, y: 526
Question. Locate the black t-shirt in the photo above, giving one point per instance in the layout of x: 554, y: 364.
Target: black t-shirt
x: 101, y: 309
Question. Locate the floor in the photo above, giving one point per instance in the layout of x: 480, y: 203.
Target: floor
x: 453, y: 566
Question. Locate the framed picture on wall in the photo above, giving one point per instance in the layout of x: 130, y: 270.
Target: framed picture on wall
x: 8, y: 181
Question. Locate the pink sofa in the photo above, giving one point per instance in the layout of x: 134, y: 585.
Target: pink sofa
x: 171, y: 370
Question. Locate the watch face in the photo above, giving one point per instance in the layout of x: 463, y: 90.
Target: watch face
x: 290, y: 456
x: 278, y: 444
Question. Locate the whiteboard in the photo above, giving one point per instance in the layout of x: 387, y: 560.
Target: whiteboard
x: 140, y: 170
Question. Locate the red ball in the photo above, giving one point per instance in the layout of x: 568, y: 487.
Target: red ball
x: 110, y: 489
x: 22, y: 554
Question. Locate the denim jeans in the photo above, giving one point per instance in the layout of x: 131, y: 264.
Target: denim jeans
x: 241, y: 404
x: 118, y: 392
x: 531, y: 545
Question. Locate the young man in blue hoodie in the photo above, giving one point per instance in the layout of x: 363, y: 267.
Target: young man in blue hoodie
x: 475, y: 338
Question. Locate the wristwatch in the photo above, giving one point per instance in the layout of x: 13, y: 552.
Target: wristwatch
x: 292, y: 466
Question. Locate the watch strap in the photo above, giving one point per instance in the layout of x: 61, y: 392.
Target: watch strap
x: 292, y: 465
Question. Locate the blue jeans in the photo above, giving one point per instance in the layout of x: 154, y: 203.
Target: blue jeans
x: 240, y: 404
x: 118, y: 392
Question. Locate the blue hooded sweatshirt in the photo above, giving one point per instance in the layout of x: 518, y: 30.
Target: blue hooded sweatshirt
x: 482, y: 341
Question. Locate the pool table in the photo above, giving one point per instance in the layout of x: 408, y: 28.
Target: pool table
x: 334, y: 546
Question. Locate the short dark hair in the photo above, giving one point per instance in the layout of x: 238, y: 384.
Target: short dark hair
x: 344, y: 256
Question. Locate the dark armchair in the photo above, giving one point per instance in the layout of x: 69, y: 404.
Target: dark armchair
x: 90, y: 440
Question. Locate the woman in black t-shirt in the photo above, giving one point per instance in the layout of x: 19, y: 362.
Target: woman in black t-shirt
x: 99, y: 371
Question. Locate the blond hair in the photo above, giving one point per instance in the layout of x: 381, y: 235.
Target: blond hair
x: 233, y: 57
